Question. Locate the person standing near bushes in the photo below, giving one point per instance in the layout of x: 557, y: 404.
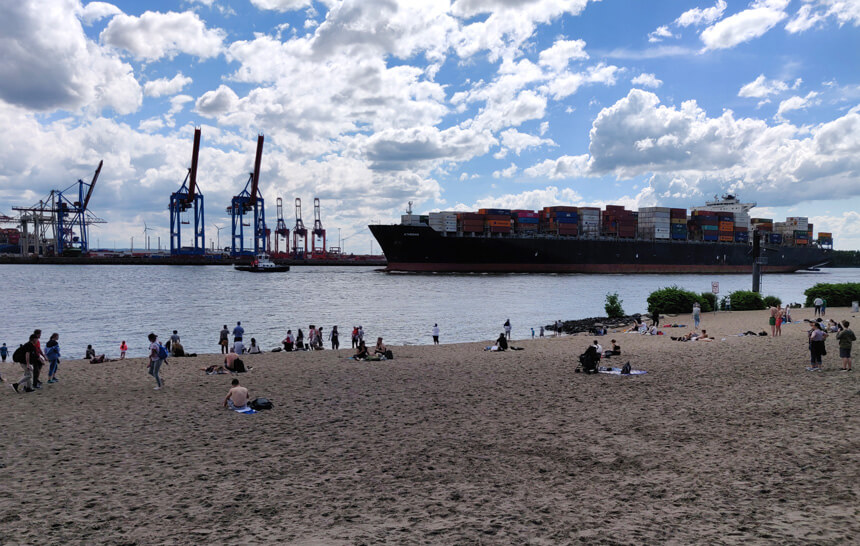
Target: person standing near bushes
x: 697, y: 312
x: 816, y: 347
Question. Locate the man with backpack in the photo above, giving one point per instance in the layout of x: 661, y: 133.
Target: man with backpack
x: 157, y: 356
x: 27, y: 356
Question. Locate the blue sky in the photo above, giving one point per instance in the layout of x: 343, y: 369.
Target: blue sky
x: 369, y: 104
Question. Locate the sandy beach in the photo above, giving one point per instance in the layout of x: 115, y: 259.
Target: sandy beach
x: 730, y: 442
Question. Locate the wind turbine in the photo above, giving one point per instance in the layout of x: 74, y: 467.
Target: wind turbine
x: 219, y: 228
x: 145, y: 229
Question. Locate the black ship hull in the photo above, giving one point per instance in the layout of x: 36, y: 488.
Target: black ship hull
x: 421, y: 248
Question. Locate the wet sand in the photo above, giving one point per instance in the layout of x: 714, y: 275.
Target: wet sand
x: 729, y: 442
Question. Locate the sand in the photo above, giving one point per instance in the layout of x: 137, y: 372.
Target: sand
x: 730, y: 442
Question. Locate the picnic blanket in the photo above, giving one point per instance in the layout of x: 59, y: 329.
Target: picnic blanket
x: 617, y: 371
x: 245, y: 410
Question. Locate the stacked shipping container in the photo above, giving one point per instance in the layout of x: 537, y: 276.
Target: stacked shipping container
x: 560, y: 220
x: 619, y: 222
x: 655, y: 222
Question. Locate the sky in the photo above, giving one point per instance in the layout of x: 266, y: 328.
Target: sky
x: 453, y: 105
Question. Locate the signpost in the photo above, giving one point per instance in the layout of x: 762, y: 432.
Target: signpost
x: 715, y: 288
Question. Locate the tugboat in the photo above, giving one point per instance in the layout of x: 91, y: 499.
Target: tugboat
x: 262, y: 264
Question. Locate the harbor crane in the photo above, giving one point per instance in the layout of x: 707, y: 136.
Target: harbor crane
x: 299, y: 231
x: 318, y: 236
x: 188, y: 198
x: 281, y: 229
x: 66, y: 214
x: 249, y: 200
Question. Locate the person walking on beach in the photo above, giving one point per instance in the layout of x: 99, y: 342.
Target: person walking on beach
x: 772, y: 320
x: 333, y: 337
x: 238, y: 332
x: 354, y: 337
x: 4, y: 352
x: 541, y: 332
x: 508, y: 329
x: 823, y: 306
x: 123, y: 348
x: 155, y: 360
x: 27, y: 356
x: 53, y: 354
x: 845, y: 337
x: 697, y: 312
x: 435, y: 334
x: 817, y: 303
x: 533, y: 333
x: 224, y: 340
x: 40, y: 361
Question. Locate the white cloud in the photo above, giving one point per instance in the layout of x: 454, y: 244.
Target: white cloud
x: 509, y: 172
x: 517, y: 141
x: 569, y: 83
x: 761, y: 87
x: 281, y: 5
x: 699, y: 16
x: 155, y: 35
x: 659, y: 34
x: 647, y: 80
x: 561, y: 53
x: 816, y: 12
x: 163, y: 86
x: 400, y: 149
x: 564, y: 167
x: 177, y: 103
x: 531, y: 199
x: 746, y: 25
x: 795, y: 103
x: 96, y: 11
x: 219, y: 101
x: 49, y: 64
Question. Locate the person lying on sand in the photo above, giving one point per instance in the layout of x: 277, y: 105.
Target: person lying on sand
x: 237, y: 397
x: 215, y: 370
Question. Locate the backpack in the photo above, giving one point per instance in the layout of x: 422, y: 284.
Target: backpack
x: 260, y: 403
x: 18, y: 355
x: 239, y: 366
x: 162, y: 352
x: 625, y: 370
x: 389, y: 355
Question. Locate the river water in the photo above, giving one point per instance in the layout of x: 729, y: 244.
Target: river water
x: 103, y: 305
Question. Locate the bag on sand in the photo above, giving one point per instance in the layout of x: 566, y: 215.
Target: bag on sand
x: 625, y: 370
x: 260, y: 403
x: 389, y: 355
x: 239, y: 366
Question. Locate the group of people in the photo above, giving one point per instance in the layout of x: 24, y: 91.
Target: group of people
x: 380, y: 351
x: 818, y: 333
x: 315, y: 339
x: 778, y: 317
x: 32, y: 359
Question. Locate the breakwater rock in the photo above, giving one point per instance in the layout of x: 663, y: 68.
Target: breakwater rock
x: 594, y: 324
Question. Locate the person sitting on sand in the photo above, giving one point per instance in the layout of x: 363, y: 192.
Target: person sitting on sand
x: 704, y: 336
x: 289, y: 341
x: 230, y: 362
x: 502, y: 342
x: 238, y: 347
x: 254, y: 349
x: 599, y: 348
x: 380, y: 347
x: 91, y: 353
x: 177, y: 349
x: 614, y: 351
x: 237, y: 397
x: 361, y: 351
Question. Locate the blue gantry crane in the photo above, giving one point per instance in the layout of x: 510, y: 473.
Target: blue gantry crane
x: 71, y: 215
x: 249, y: 200
x: 186, y: 208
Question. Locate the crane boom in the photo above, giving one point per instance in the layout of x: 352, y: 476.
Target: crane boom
x: 92, y: 185
x: 192, y: 178
x: 255, y: 180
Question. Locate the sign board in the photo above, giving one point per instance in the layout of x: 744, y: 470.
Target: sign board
x: 715, y: 287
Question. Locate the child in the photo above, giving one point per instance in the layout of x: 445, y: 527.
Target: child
x: 53, y: 354
x: 122, y: 350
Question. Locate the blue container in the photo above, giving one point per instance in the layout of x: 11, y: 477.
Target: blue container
x: 527, y: 220
x: 710, y: 228
x: 713, y: 237
x: 776, y: 238
x: 742, y: 237
x: 499, y: 212
x: 562, y: 214
x: 679, y: 236
x: 562, y: 220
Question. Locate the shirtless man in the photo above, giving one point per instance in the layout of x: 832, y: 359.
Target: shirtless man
x: 229, y: 359
x: 237, y: 397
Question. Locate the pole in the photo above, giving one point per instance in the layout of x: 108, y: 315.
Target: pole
x: 756, y: 268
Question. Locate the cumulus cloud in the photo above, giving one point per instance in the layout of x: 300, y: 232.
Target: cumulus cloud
x: 660, y: 34
x: 49, y: 64
x: 156, y: 35
x: 517, y: 142
x: 281, y: 5
x: 815, y: 12
x: 531, y: 199
x: 96, y: 11
x: 562, y: 52
x: 647, y: 80
x: 216, y: 102
x: 163, y: 86
x: 795, y: 103
x: 699, y: 16
x: 746, y: 25
x: 761, y: 87
x: 398, y: 149
x: 509, y: 172
x: 564, y: 167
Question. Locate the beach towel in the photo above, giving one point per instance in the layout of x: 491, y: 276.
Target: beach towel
x: 244, y: 409
x: 617, y: 371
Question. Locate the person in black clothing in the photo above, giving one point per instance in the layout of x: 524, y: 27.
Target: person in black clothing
x: 361, y: 352
x: 502, y: 342
x: 30, y: 361
x: 335, y: 342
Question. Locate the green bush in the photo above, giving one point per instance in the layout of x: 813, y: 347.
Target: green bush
x: 744, y: 300
x: 836, y: 295
x: 709, y: 302
x: 613, y: 306
x: 673, y: 300
x: 772, y: 301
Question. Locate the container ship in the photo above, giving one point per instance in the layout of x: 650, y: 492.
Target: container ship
x: 715, y: 238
